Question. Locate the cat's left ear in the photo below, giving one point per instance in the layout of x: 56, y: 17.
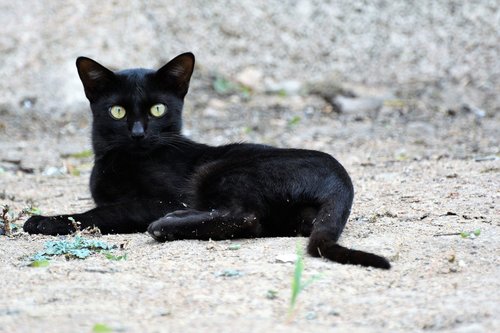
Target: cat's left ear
x: 177, y: 73
x: 95, y: 77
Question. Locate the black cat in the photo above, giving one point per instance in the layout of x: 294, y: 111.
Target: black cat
x: 147, y: 176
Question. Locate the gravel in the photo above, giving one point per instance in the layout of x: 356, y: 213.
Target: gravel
x: 446, y: 48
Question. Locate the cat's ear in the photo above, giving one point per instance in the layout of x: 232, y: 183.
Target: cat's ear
x: 177, y: 73
x: 95, y: 77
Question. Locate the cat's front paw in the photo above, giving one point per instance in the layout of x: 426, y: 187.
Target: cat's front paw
x: 158, y: 230
x: 48, y: 225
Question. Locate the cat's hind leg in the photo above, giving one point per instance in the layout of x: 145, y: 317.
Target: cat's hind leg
x: 196, y: 224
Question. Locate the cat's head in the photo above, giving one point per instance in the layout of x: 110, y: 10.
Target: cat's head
x: 136, y: 109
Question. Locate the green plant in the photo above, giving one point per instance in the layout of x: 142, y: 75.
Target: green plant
x: 8, y: 218
x: 464, y: 234
x: 115, y: 257
x: 223, y: 86
x: 297, y: 285
x: 101, y: 328
x: 271, y: 294
x: 82, y: 154
x: 282, y: 93
x: 470, y: 234
x: 78, y: 248
x: 234, y: 247
x: 39, y: 263
x: 295, y: 120
x: 73, y: 170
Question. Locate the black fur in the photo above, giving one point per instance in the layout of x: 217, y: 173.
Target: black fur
x: 147, y: 176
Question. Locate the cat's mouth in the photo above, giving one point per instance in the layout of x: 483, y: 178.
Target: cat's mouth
x: 142, y: 144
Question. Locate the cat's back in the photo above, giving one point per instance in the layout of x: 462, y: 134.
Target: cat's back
x: 240, y: 169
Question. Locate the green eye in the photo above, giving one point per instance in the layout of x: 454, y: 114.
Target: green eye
x: 157, y: 110
x: 117, y: 112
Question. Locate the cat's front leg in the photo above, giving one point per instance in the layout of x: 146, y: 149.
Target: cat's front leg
x: 49, y: 225
x: 194, y: 224
x: 127, y: 217
x: 109, y: 220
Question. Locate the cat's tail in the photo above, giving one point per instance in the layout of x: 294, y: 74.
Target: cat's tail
x: 321, y: 245
x: 328, y: 225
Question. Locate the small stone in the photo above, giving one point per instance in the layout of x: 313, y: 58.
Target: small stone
x: 420, y: 129
x: 271, y: 294
x: 328, y: 89
x: 234, y: 247
x: 387, y: 176
x: 334, y: 313
x: 358, y: 105
x: 52, y: 171
x: 229, y: 273
x: 14, y: 156
x: 311, y: 315
x: 217, y: 103
x: 288, y: 87
x: 479, y: 113
x: 163, y: 313
x: 286, y: 258
x: 250, y: 77
x: 470, y: 328
x: 211, y: 112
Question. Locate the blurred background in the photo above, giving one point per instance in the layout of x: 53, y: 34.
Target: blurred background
x: 420, y: 77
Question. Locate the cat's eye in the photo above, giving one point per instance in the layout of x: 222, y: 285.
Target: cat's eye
x: 158, y: 110
x: 117, y: 112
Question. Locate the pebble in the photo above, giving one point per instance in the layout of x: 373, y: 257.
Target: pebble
x: 229, y: 273
x: 288, y: 87
x: 52, y: 171
x: 13, y: 156
x: 286, y: 258
x: 311, y: 315
x: 250, y: 77
x: 358, y: 105
x: 470, y: 328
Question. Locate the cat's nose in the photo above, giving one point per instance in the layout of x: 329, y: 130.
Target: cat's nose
x: 137, y: 131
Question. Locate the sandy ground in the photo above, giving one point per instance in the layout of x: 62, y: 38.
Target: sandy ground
x: 420, y: 140
x: 412, y: 187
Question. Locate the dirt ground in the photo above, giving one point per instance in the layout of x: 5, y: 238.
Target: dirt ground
x: 404, y: 94
x: 418, y: 174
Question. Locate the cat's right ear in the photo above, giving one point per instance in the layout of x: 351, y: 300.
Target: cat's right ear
x: 94, y: 76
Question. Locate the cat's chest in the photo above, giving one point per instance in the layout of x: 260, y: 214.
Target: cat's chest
x: 138, y: 177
